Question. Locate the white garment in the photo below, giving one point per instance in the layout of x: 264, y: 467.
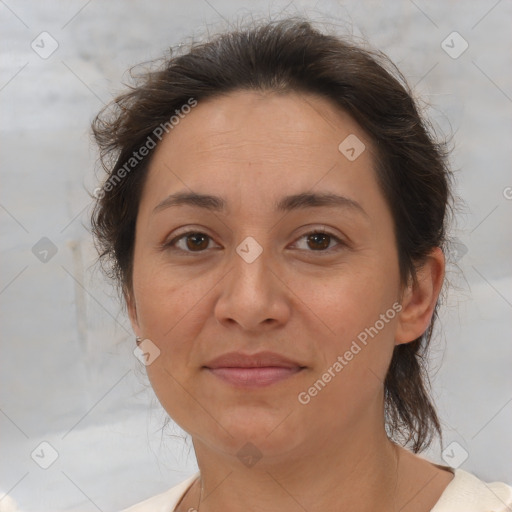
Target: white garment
x: 465, y: 493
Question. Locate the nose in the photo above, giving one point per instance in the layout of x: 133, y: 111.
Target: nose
x: 253, y: 296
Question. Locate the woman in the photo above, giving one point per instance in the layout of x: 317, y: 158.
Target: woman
x: 275, y: 214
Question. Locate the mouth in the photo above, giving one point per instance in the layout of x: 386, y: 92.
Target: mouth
x: 253, y: 371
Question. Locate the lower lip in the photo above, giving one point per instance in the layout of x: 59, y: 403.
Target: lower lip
x: 254, y: 377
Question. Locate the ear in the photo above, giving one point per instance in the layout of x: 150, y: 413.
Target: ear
x: 419, y: 299
x: 132, y: 312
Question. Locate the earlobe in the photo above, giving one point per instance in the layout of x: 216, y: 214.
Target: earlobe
x: 420, y: 298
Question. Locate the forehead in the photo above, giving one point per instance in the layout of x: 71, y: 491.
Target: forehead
x: 269, y: 119
x: 259, y: 145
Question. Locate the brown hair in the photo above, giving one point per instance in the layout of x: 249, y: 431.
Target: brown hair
x: 290, y: 55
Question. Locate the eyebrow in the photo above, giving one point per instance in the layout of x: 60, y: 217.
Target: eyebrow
x: 286, y: 204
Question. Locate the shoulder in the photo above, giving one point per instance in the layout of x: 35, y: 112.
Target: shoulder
x: 165, y: 501
x: 467, y: 493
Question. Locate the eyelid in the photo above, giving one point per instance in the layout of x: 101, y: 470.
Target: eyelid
x: 168, y: 244
x: 340, y: 242
x: 321, y: 230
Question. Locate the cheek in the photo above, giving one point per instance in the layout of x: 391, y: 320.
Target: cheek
x: 359, y: 311
x: 354, y: 365
x: 164, y: 296
x: 167, y: 310
x: 349, y: 301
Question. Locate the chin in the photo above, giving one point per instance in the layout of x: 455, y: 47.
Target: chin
x: 270, y: 431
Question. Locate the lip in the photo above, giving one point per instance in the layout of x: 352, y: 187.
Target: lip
x: 253, y: 371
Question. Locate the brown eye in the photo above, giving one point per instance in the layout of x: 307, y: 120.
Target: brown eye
x: 197, y: 241
x: 194, y: 241
x: 319, y: 241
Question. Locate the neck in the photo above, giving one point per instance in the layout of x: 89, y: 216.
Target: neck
x: 359, y: 470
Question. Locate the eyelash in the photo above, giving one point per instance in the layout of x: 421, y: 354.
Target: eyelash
x: 170, y: 245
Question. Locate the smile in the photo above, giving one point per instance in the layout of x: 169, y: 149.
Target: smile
x: 255, y: 377
x: 256, y: 370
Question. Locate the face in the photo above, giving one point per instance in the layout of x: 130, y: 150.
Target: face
x: 315, y: 282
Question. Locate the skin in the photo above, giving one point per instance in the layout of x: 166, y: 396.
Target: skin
x: 297, y: 299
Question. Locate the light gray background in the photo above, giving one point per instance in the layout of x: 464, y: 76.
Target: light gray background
x: 68, y: 374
